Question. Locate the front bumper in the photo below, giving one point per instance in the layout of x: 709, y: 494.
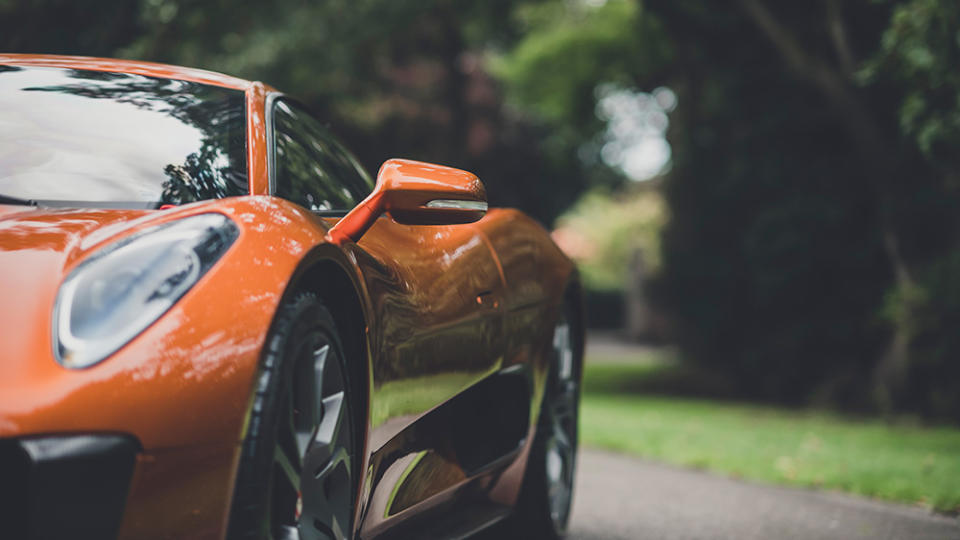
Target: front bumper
x: 66, y: 486
x: 106, y: 486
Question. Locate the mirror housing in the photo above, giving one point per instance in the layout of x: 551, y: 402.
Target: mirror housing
x: 415, y: 193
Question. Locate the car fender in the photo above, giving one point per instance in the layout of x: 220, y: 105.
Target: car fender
x: 187, y: 378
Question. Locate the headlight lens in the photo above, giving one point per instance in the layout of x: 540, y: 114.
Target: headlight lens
x: 122, y: 289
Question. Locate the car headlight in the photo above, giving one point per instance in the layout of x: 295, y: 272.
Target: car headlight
x: 122, y: 289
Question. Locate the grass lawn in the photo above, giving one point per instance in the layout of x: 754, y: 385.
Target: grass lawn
x: 899, y: 462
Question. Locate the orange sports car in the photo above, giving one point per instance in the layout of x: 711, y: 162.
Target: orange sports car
x: 216, y: 324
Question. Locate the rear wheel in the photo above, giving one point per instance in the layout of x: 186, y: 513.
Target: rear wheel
x: 296, y: 478
x: 543, y: 510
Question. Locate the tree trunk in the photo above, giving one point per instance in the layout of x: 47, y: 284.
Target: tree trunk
x: 835, y: 85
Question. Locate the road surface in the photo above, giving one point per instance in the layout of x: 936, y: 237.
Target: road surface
x: 619, y: 497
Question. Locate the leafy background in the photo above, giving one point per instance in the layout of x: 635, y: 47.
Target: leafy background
x: 801, y: 235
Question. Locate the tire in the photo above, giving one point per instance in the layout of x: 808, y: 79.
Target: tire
x: 297, y: 473
x: 543, y: 508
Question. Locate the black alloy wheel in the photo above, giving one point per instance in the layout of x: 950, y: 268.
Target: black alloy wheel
x: 560, y: 433
x: 297, y: 477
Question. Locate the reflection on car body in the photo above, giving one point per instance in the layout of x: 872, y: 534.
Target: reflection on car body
x: 217, y: 324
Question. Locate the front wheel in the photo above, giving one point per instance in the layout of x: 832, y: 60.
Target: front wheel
x: 296, y: 478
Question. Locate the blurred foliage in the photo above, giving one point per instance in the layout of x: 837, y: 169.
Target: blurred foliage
x: 811, y: 251
x: 67, y: 27
x: 393, y: 78
x: 566, y: 54
x: 934, y: 340
x: 917, y: 60
x: 812, y: 198
x: 918, y: 54
x: 569, y: 48
x: 603, y: 231
x: 773, y: 266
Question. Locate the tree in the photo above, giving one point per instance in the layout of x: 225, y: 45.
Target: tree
x: 802, y: 213
x: 393, y: 78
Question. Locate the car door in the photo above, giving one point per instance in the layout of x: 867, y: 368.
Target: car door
x: 437, y: 297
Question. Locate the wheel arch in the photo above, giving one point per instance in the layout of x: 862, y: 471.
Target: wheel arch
x: 326, y: 272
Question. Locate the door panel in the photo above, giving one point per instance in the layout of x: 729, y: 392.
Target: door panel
x: 437, y: 298
x: 518, y: 243
x: 437, y: 295
x: 536, y: 273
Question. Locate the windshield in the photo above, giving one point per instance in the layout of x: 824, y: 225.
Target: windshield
x: 71, y: 136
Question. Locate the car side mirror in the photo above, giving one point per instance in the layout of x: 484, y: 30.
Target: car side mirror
x: 415, y: 193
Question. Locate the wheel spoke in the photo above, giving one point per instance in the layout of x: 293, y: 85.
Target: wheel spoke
x: 561, y: 437
x: 290, y: 469
x: 301, y: 486
x: 285, y: 532
x: 296, y: 436
x: 339, y: 457
x: 328, y: 493
x: 565, y: 401
x: 333, y: 412
x: 319, y: 369
x: 286, y: 457
x: 564, y: 352
x: 327, y: 487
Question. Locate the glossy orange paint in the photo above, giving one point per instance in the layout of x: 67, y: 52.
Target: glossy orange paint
x: 150, y: 69
x: 404, y: 189
x: 257, y: 138
x: 443, y: 305
x: 196, y: 342
x: 421, y: 280
x: 183, y: 384
x: 179, y: 492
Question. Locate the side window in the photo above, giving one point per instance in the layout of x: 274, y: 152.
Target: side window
x: 311, y: 168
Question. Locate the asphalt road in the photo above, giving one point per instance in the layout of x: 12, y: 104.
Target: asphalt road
x: 619, y: 497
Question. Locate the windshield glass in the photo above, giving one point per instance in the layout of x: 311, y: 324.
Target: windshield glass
x: 117, y: 139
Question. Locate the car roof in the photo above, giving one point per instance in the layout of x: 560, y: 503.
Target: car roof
x: 149, y: 69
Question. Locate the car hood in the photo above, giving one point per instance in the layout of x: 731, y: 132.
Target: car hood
x: 38, y: 247
x: 201, y: 356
